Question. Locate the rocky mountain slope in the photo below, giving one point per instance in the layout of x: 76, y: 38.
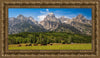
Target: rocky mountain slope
x: 79, y: 24
x: 24, y: 24
x: 50, y: 22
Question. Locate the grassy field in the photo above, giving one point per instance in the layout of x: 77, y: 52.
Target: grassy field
x: 52, y: 47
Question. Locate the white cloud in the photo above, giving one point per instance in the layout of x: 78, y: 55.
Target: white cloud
x: 41, y: 17
x: 70, y: 16
x: 47, y: 10
x: 42, y: 12
x: 58, y: 16
x: 89, y: 18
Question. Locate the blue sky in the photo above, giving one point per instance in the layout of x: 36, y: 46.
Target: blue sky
x: 40, y: 13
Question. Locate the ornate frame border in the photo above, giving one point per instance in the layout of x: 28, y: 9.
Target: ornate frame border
x: 5, y: 52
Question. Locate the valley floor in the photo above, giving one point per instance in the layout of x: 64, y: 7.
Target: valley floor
x: 86, y: 46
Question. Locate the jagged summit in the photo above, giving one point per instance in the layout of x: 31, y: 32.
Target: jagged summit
x: 50, y: 15
x: 50, y: 22
x: 23, y: 24
x: 20, y: 17
x: 30, y: 17
x: 80, y: 16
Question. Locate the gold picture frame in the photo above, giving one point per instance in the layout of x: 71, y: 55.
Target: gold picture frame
x: 5, y: 4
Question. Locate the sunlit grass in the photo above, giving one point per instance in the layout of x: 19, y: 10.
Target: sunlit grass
x: 52, y: 47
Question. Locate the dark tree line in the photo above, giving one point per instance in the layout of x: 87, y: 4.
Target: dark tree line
x: 48, y: 37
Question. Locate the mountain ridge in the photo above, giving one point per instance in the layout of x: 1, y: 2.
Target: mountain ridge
x: 50, y: 23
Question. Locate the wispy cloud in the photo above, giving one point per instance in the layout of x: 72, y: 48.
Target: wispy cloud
x: 89, y: 18
x: 70, y: 16
x: 43, y: 14
x: 41, y: 17
x: 58, y: 16
x: 47, y: 10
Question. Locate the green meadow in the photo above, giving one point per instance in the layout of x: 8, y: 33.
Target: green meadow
x: 52, y: 47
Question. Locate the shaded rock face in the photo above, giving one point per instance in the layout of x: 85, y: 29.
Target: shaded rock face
x: 65, y: 20
x: 79, y: 24
x: 24, y: 24
x: 82, y: 24
x: 80, y: 18
x: 83, y: 28
x: 32, y: 19
x: 51, y: 17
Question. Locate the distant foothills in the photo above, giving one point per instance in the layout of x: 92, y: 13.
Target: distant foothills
x: 77, y: 25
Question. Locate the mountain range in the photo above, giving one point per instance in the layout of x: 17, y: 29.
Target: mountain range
x: 77, y: 25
